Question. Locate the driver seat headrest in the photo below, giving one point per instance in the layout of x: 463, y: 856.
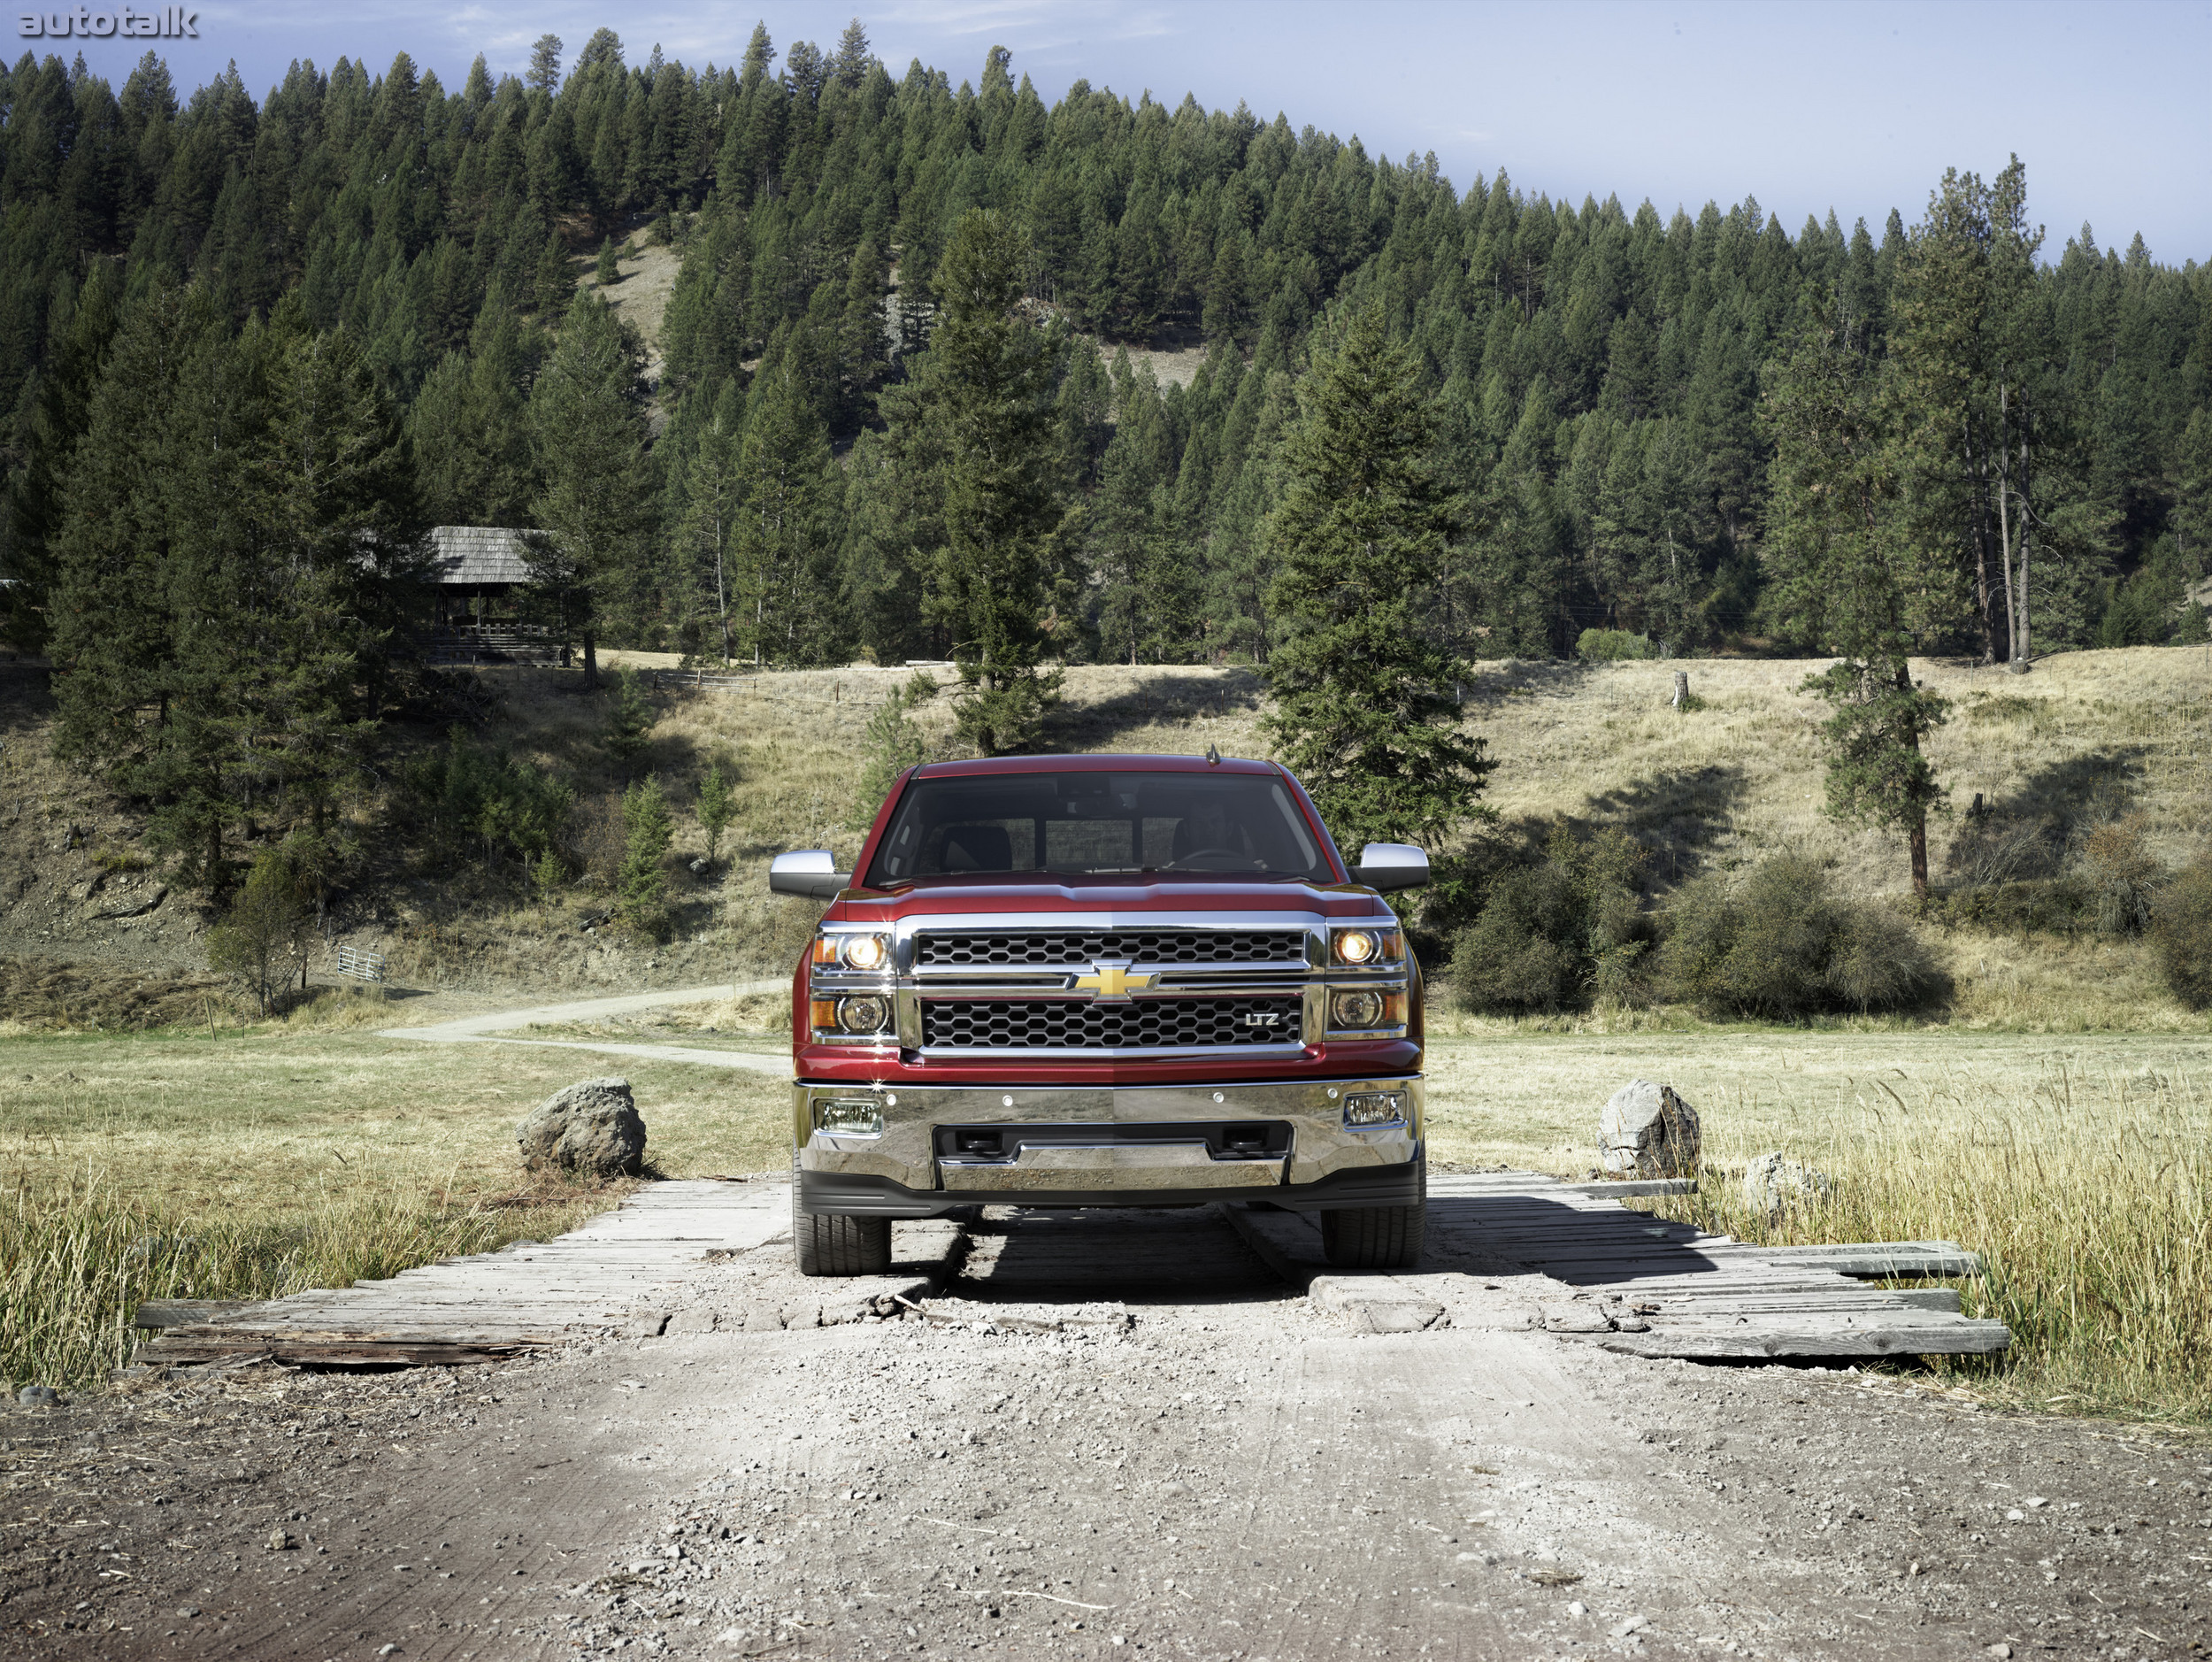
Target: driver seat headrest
x: 977, y: 848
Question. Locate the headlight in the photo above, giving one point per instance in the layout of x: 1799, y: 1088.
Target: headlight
x: 854, y: 950
x: 1360, y: 1008
x: 867, y: 951
x: 864, y: 1014
x: 1362, y: 947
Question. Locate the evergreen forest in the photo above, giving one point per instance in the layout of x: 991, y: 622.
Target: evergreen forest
x: 241, y: 342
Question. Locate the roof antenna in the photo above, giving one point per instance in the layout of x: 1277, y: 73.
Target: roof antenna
x: 1213, y: 757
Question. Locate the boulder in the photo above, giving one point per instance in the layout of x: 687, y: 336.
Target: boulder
x: 1774, y: 1183
x: 592, y: 1127
x: 1647, y: 1130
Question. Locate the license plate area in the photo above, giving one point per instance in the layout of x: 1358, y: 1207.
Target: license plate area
x: 1222, y: 1140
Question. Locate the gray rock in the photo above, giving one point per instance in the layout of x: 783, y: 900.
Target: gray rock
x: 1569, y: 1317
x: 39, y: 1397
x: 1774, y: 1183
x: 699, y: 868
x: 592, y: 1127
x: 1650, y: 1131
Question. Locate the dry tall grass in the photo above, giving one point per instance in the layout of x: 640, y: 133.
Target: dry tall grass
x: 75, y: 1261
x: 2080, y: 1169
x: 292, y: 1157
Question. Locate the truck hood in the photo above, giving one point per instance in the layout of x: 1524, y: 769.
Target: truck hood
x: 1103, y: 898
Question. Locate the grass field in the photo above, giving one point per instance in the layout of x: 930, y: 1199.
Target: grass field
x: 294, y: 1156
x: 290, y: 1158
x: 2080, y: 1169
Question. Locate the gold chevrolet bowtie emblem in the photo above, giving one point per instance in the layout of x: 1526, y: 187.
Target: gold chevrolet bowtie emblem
x: 1112, y: 981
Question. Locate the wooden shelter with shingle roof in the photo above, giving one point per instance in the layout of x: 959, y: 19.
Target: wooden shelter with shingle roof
x: 478, y: 570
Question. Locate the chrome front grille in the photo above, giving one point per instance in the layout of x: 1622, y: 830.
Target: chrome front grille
x: 1022, y: 1024
x: 1131, y: 946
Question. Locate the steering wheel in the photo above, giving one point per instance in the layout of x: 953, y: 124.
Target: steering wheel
x: 1196, y: 854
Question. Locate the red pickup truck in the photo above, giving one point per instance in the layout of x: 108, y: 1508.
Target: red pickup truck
x: 1104, y: 980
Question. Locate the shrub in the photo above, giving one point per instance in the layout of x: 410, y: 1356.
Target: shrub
x: 1778, y: 943
x: 487, y: 802
x: 2120, y: 875
x: 2181, y: 924
x: 1608, y: 646
x: 1553, y: 936
x: 265, y: 936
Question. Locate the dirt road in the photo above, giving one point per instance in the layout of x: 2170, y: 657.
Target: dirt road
x: 500, y: 1027
x: 1122, y: 1436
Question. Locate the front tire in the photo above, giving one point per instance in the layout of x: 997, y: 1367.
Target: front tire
x: 831, y: 1245
x: 1374, y: 1237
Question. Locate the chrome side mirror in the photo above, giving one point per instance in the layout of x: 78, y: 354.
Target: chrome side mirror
x: 811, y: 873
x: 1384, y: 867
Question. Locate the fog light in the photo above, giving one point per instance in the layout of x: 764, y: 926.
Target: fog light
x: 865, y: 1014
x: 1360, y: 1008
x: 1374, y: 1108
x: 850, y: 1116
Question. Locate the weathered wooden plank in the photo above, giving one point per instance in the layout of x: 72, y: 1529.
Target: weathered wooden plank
x: 418, y: 1353
x: 1784, y: 1338
x: 184, y: 1313
x: 1930, y: 1260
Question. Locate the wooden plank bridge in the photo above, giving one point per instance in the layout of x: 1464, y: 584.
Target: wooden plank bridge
x: 1509, y: 1248
x: 1576, y: 1261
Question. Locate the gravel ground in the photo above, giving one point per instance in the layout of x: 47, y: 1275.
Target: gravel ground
x: 1118, y: 1438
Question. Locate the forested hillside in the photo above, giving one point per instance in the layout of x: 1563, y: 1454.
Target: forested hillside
x: 252, y: 353
x: 1599, y: 369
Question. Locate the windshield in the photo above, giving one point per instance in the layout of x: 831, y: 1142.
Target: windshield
x: 1084, y: 824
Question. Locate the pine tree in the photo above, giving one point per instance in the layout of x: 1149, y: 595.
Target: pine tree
x: 589, y: 438
x: 544, y: 73
x: 850, y: 65
x: 32, y: 506
x: 780, y: 551
x: 641, y: 884
x: 717, y: 806
x: 1364, y: 711
x: 1850, y: 576
x: 988, y: 387
x: 706, y: 528
x: 630, y: 720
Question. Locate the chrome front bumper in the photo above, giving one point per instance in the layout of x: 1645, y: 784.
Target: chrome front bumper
x: 942, y: 1146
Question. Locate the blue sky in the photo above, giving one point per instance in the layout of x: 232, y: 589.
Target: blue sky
x: 1854, y: 107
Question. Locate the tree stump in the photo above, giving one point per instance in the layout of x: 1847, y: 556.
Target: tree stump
x: 1681, y: 699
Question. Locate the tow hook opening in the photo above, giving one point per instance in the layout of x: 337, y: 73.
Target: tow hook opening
x: 991, y: 1144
